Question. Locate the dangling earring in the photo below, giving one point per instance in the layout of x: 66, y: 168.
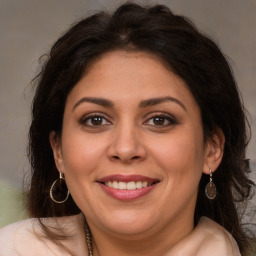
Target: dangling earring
x: 210, y: 189
x: 58, y: 187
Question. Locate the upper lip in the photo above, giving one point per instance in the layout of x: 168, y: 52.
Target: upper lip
x: 127, y: 178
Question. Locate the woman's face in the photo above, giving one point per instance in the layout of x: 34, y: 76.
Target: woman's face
x: 132, y: 147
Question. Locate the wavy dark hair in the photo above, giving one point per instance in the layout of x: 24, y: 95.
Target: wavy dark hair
x: 191, y: 55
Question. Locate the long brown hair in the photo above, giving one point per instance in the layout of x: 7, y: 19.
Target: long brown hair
x: 191, y: 55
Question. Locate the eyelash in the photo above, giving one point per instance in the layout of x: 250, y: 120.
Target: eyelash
x: 165, y: 118
x: 89, y: 117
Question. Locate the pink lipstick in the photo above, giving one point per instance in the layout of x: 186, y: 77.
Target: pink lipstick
x: 127, y: 187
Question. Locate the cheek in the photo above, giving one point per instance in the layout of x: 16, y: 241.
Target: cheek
x: 81, y: 157
x: 182, y: 163
x: 81, y: 154
x: 182, y: 158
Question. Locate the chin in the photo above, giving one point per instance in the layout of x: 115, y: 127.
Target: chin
x: 128, y: 223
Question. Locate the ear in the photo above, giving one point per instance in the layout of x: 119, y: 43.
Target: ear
x: 214, y: 149
x: 57, y: 151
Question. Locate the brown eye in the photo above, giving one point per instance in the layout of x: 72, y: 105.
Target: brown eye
x: 159, y: 120
x: 94, y: 121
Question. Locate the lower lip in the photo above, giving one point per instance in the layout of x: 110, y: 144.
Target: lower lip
x: 127, y: 195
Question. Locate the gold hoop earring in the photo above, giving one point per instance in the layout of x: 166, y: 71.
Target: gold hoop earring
x: 57, y: 189
x: 210, y: 189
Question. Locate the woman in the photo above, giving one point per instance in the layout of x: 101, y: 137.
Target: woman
x: 137, y: 143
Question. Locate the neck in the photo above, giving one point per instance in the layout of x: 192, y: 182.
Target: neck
x: 151, y: 243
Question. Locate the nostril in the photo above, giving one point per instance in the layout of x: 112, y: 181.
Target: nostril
x: 120, y: 158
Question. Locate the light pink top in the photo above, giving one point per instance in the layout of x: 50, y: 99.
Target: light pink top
x: 207, y: 239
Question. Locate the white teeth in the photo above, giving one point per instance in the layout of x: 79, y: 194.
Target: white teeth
x: 139, y: 184
x: 144, y: 184
x: 122, y: 185
x: 131, y: 185
x: 115, y: 185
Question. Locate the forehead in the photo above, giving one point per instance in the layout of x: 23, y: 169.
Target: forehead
x: 126, y: 76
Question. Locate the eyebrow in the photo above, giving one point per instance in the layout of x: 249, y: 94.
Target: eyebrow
x: 143, y: 104
x: 156, y: 101
x: 99, y: 101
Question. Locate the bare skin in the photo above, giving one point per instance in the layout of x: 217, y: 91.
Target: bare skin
x: 129, y: 115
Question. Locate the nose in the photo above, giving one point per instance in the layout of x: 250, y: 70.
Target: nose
x: 126, y: 145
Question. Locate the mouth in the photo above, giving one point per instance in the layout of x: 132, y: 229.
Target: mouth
x: 131, y: 185
x: 127, y: 188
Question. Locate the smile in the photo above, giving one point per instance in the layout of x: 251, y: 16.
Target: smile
x: 131, y: 185
x: 127, y: 188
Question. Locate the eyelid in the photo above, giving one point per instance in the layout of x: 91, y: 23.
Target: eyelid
x: 158, y: 113
x: 85, y: 117
x: 165, y: 115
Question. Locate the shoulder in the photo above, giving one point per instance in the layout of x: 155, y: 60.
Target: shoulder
x: 207, y: 239
x: 216, y: 238
x: 27, y: 238
x: 14, y: 237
